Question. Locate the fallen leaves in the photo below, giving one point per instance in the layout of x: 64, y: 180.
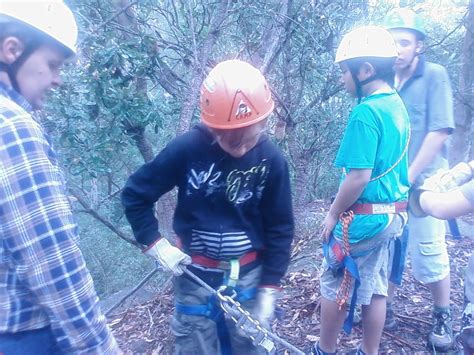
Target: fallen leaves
x: 144, y: 329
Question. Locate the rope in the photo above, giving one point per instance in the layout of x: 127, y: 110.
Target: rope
x: 261, y: 337
x: 396, y: 163
x: 399, y: 159
x: 343, y: 292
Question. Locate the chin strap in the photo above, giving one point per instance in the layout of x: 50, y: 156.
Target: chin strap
x: 13, y: 68
x: 359, y: 84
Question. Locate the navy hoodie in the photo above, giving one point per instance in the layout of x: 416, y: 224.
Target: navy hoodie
x: 226, y: 206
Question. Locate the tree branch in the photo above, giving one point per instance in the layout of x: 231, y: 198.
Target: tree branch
x: 89, y: 210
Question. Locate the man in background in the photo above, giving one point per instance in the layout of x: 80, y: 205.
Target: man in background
x: 426, y: 92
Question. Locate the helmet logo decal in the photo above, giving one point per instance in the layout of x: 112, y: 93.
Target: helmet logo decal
x: 243, y: 111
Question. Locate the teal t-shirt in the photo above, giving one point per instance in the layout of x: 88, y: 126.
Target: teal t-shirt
x: 375, y: 138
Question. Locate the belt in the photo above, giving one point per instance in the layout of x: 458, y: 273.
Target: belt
x: 379, y: 208
x: 223, y: 264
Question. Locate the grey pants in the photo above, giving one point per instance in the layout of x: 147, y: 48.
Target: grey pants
x: 196, y: 334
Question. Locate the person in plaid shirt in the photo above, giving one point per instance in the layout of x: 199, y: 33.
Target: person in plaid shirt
x: 48, y: 304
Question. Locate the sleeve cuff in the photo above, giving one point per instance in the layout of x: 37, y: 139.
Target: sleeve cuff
x: 159, y: 237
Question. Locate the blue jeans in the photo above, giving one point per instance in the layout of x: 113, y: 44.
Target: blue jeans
x: 38, y: 342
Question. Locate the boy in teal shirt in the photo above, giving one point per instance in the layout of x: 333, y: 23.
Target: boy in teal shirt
x: 370, y: 205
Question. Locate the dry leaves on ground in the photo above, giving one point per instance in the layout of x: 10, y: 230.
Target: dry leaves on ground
x: 144, y: 329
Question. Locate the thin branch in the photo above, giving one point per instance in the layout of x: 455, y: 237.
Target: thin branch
x: 135, y: 289
x: 106, y: 22
x: 273, y: 47
x: 449, y: 34
x: 103, y: 220
x: 193, y: 35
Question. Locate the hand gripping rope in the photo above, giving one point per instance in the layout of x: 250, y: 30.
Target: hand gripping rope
x: 250, y: 327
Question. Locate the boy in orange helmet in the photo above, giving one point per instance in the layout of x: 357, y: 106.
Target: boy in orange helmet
x: 234, y: 214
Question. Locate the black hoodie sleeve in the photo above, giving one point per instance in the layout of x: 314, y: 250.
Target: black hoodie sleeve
x: 144, y: 187
x: 277, y: 211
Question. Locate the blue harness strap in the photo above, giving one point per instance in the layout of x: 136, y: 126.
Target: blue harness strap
x: 454, y: 228
x: 399, y: 255
x: 351, y: 266
x: 213, y: 311
x: 194, y: 309
x: 343, y: 262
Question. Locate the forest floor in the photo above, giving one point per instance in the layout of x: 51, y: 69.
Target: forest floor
x: 144, y: 328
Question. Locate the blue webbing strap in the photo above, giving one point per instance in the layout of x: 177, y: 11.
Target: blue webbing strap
x: 351, y: 266
x: 399, y: 255
x: 221, y: 327
x: 213, y: 311
x: 194, y: 309
x: 345, y: 262
x: 454, y: 228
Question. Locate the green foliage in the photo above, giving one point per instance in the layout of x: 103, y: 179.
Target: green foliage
x: 114, y: 265
x: 123, y: 100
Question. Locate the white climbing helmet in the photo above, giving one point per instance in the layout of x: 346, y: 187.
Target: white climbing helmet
x: 52, y: 17
x: 366, y: 41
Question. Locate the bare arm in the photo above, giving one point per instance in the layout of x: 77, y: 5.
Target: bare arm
x: 349, y: 191
x: 445, y: 205
x: 431, y: 146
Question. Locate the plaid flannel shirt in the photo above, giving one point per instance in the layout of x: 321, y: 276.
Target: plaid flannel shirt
x: 43, y: 277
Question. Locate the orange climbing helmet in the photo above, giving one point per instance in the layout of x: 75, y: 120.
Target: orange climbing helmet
x: 235, y: 95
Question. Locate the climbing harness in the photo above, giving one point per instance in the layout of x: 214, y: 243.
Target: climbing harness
x: 379, y: 208
x: 345, y: 260
x: 344, y: 263
x: 399, y: 254
x: 249, y: 326
x: 232, y: 267
x: 212, y: 309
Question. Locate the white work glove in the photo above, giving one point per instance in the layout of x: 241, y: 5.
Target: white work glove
x: 171, y: 258
x: 447, y: 180
x: 264, y: 310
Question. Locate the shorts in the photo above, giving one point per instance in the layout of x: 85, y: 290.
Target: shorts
x: 427, y: 246
x: 372, y: 266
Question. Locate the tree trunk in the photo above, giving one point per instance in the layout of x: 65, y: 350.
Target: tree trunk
x: 276, y: 35
x: 128, y: 20
x: 461, y: 147
x: 201, y: 56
